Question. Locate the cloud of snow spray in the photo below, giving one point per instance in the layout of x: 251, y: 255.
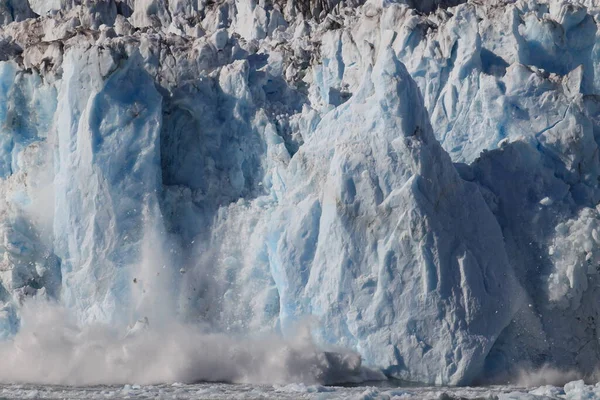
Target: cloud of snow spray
x: 51, y: 348
x: 549, y: 375
x: 546, y: 375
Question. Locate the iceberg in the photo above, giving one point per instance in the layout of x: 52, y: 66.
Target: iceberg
x: 418, y: 180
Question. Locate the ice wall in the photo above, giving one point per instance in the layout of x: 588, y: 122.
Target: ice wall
x: 422, y: 185
x: 511, y: 88
x: 107, y: 172
x: 401, y: 258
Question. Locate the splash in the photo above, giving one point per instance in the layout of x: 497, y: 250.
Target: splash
x: 51, y: 348
x: 55, y: 347
x: 551, y: 375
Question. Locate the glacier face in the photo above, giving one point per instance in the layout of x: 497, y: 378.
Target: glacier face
x: 383, y: 262
x: 423, y: 184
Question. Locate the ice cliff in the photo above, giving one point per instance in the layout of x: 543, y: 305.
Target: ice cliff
x: 419, y: 178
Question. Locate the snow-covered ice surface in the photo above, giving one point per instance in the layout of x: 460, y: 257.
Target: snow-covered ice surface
x: 415, y: 181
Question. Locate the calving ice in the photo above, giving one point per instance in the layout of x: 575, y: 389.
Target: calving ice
x: 391, y: 188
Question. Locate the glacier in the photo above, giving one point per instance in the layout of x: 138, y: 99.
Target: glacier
x: 419, y: 180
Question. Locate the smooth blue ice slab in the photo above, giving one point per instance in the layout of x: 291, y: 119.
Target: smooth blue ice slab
x: 107, y: 173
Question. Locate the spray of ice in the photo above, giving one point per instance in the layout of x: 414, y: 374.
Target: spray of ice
x: 53, y: 348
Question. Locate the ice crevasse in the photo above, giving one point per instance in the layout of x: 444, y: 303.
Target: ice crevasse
x: 422, y: 183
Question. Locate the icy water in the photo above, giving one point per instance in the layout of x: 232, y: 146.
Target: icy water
x: 293, y: 391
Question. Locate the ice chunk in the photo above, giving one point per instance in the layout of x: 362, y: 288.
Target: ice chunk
x: 387, y: 196
x: 107, y: 172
